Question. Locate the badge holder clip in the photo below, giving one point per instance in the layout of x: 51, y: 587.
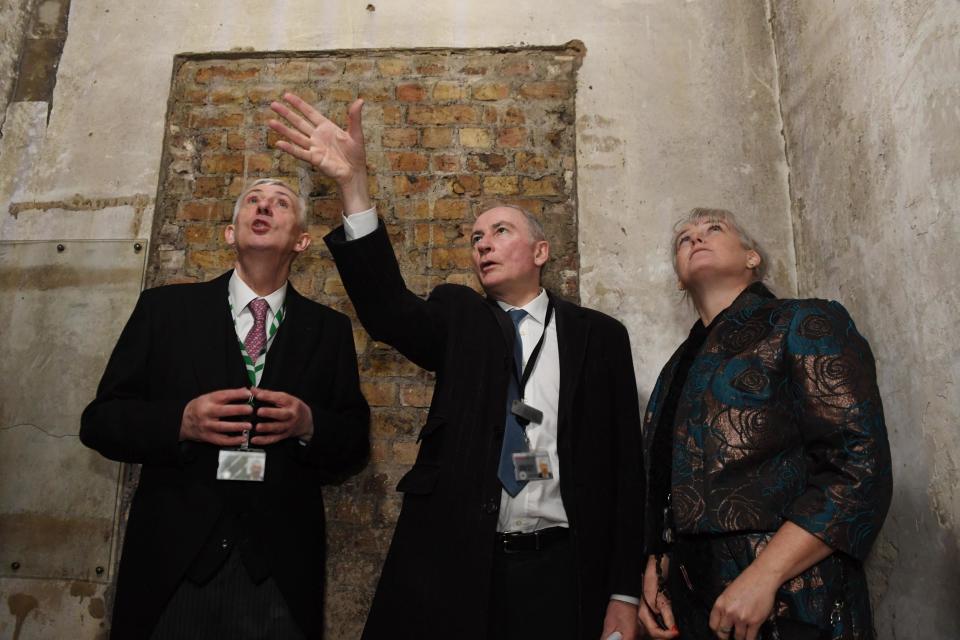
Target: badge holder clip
x: 242, y: 463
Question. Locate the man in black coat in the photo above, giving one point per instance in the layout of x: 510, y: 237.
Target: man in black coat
x: 520, y: 515
x: 226, y: 532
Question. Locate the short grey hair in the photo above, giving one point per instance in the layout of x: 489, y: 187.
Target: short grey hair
x: 301, y: 202
x: 747, y: 241
x: 533, y: 224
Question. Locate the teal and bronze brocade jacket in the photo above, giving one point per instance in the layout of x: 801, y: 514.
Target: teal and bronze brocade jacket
x: 780, y: 419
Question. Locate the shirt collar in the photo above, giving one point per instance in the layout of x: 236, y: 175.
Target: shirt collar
x: 536, y: 308
x: 241, y: 294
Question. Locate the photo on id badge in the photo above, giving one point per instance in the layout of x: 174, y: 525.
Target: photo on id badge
x: 532, y: 465
x: 243, y: 463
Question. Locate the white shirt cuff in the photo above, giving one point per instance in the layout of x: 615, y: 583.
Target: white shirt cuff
x: 628, y: 599
x: 363, y: 223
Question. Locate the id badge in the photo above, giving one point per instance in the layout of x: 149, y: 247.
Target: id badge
x: 532, y: 465
x: 242, y: 464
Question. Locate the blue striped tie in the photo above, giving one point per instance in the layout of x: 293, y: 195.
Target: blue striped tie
x: 513, y: 436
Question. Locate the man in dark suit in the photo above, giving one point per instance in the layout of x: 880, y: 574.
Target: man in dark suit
x: 520, y: 515
x: 226, y: 531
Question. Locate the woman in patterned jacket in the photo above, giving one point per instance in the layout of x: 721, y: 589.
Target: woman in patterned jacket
x: 767, y: 457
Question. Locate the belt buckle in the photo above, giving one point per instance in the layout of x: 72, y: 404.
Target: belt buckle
x: 517, y: 537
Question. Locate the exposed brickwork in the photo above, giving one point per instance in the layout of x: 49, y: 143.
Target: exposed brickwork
x: 448, y: 132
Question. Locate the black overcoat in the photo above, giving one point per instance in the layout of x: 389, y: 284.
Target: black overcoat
x: 179, y: 343
x: 436, y: 580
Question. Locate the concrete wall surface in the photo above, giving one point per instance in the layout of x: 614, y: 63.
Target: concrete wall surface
x: 14, y: 16
x: 871, y: 103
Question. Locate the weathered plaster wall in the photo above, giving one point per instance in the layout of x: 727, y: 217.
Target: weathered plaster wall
x: 686, y: 116
x: 676, y: 107
x: 871, y: 103
x: 14, y: 16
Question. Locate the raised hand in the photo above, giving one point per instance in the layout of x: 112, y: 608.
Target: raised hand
x: 336, y: 153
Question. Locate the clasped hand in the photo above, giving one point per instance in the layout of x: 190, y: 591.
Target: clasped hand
x: 205, y: 418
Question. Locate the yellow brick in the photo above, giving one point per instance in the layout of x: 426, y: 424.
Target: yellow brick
x: 437, y: 137
x: 475, y: 138
x: 451, y: 209
x: 259, y: 162
x: 394, y: 67
x: 446, y: 162
x: 409, y: 161
x: 491, y: 91
x: 379, y: 393
x: 400, y: 137
x: 417, y: 395
x: 196, y: 234
x: 222, y: 163
x: 411, y: 92
x: 437, y: 115
x: 545, y: 90
x: 448, y: 91
x: 548, y: 186
x: 412, y: 209
x: 451, y: 258
x: 410, y: 184
x: 500, y: 185
x: 405, y: 452
x: 211, y: 260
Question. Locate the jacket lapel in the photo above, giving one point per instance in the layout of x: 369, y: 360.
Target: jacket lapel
x: 506, y: 325
x: 572, y: 333
x: 292, y: 346
x: 216, y: 356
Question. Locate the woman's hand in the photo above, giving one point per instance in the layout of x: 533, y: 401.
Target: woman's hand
x: 748, y: 601
x: 655, y: 602
x: 744, y: 605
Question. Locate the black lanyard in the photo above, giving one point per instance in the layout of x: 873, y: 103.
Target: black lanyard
x: 522, y: 378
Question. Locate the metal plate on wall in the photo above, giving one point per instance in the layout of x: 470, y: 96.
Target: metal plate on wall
x: 62, y: 307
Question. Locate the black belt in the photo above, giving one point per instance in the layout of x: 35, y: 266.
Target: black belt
x: 517, y: 542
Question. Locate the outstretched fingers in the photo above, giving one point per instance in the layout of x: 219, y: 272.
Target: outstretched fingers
x: 304, y: 107
x: 304, y: 128
x: 296, y: 137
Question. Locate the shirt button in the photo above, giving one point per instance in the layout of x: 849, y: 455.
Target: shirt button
x: 224, y: 543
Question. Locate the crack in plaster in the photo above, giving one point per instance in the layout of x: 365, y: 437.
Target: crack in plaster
x: 81, y: 203
x: 40, y: 429
x: 778, y: 97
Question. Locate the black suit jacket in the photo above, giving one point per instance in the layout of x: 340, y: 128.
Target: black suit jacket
x: 436, y: 579
x: 179, y: 343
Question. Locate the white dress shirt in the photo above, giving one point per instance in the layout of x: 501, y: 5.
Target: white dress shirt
x: 240, y: 296
x: 538, y: 505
